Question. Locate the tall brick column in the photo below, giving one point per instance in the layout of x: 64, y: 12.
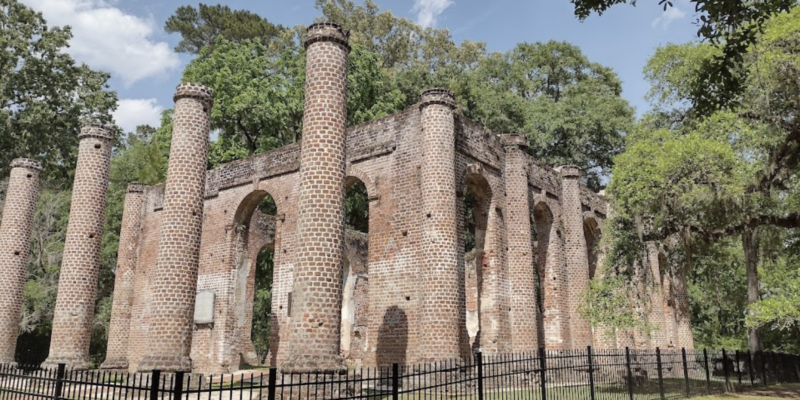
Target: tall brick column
x: 117, y: 350
x: 77, y: 282
x: 575, y: 254
x: 441, y: 305
x: 317, y: 292
x: 683, y: 324
x: 15, y: 240
x: 656, y: 295
x: 521, y: 271
x: 174, y: 282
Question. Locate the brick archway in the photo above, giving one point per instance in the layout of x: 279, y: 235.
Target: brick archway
x: 354, y: 173
x: 591, y: 232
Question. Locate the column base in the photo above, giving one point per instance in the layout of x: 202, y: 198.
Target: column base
x: 115, y: 363
x: 165, y: 364
x: 71, y: 363
x: 326, y: 364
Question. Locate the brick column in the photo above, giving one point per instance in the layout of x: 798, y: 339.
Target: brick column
x: 77, y: 282
x: 521, y: 271
x: 683, y: 324
x: 317, y: 292
x: 656, y: 295
x: 575, y: 254
x: 174, y: 282
x: 117, y: 350
x: 441, y: 303
x: 15, y: 240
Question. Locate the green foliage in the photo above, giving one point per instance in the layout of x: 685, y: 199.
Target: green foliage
x: 570, y: 108
x: 262, y: 302
x: 718, y: 292
x: 259, y: 96
x: 608, y: 303
x: 199, y: 27
x: 677, y: 180
x: 612, y: 296
x: 697, y: 180
x: 732, y: 26
x: 44, y: 94
x: 356, y: 208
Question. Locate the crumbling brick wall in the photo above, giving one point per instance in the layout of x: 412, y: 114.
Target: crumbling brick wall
x: 401, y: 313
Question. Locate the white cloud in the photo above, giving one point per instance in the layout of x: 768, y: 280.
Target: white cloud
x: 670, y: 15
x: 134, y: 112
x: 429, y: 10
x: 108, y: 39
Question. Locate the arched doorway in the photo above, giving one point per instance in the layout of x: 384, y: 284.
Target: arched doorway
x: 553, y: 324
x: 255, y: 246
x: 355, y: 272
x: 591, y: 232
x: 474, y: 209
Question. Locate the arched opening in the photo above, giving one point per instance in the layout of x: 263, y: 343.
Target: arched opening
x: 548, y: 281
x: 255, y: 224
x: 591, y: 232
x: 355, y: 272
x: 475, y: 205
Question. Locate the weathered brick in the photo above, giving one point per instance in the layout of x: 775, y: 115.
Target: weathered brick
x: 77, y: 283
x: 15, y: 237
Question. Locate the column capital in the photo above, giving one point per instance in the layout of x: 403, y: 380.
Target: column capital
x: 195, y: 91
x: 327, y: 32
x: 136, y: 187
x: 514, y: 141
x: 569, y: 171
x: 96, y: 131
x: 26, y: 163
x: 439, y: 96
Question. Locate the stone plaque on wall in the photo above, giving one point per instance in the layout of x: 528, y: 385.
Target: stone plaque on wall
x: 204, y: 308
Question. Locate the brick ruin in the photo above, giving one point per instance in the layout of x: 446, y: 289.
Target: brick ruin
x: 407, y: 291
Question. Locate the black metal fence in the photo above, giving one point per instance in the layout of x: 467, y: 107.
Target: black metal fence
x: 557, y: 375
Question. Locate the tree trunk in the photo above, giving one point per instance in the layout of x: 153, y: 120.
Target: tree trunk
x: 750, y: 247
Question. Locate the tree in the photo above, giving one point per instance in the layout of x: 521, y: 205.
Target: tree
x: 258, y: 99
x: 44, y: 95
x: 200, y: 27
x: 570, y: 108
x: 706, y: 178
x: 733, y: 25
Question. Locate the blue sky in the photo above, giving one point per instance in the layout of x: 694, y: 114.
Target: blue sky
x: 126, y: 37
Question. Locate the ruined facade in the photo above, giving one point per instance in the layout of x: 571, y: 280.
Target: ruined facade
x: 424, y: 284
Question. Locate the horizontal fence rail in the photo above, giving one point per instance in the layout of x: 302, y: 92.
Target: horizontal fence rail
x: 543, y: 375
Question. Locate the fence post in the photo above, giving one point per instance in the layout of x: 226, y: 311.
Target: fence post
x: 708, y: 371
x: 660, y: 373
x: 177, y: 390
x: 479, y: 357
x: 738, y: 369
x: 685, y: 371
x: 591, y: 371
x: 630, y: 373
x: 154, y: 382
x: 725, y: 369
x: 62, y: 370
x: 543, y: 372
x: 272, y: 380
x: 395, y: 381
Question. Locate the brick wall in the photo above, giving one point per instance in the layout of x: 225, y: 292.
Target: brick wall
x: 415, y: 294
